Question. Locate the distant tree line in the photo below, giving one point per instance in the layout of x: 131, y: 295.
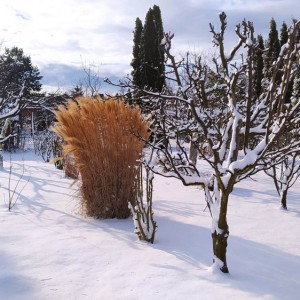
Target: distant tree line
x: 269, y: 52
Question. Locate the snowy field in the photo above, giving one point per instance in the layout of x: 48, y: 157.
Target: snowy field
x: 50, y: 251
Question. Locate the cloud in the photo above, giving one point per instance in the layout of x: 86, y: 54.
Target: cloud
x: 66, y: 33
x: 58, y: 75
x: 65, y: 77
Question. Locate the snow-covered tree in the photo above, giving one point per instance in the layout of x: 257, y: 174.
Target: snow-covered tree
x: 285, y: 175
x: 19, y: 87
x: 214, y: 106
x: 10, y: 106
x: 18, y: 74
x: 142, y: 213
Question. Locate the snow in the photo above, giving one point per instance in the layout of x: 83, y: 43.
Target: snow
x: 49, y: 250
x: 250, y: 158
x: 10, y: 112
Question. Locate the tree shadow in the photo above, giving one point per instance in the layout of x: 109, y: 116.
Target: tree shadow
x: 255, y: 268
x: 263, y: 270
x: 249, y: 193
x: 293, y: 203
x: 13, y: 285
x: 258, y: 269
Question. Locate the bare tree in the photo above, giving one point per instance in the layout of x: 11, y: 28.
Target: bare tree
x: 91, y: 82
x: 285, y: 175
x: 215, y: 108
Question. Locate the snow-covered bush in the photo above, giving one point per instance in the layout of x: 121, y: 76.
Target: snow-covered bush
x: 99, y: 135
x: 49, y: 145
x: 142, y: 213
x: 285, y: 174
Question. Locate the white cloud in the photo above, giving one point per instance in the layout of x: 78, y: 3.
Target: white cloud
x: 66, y: 32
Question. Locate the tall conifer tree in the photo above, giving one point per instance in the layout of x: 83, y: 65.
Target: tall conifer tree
x: 137, y: 54
x: 258, y: 66
x: 273, y: 46
x: 152, y: 53
x: 148, y: 55
x: 283, y: 34
x: 160, y: 50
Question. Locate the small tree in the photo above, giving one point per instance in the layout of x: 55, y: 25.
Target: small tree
x: 285, y: 175
x: 77, y: 91
x: 91, y: 82
x: 216, y: 106
x: 142, y: 213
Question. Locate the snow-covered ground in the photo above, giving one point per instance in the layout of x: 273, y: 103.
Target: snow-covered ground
x: 50, y: 251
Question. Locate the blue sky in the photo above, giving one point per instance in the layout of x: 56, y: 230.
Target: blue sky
x: 62, y: 35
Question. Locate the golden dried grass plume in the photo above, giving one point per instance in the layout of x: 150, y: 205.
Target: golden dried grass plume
x: 99, y: 135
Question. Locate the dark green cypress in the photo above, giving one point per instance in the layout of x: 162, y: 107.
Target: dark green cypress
x: 283, y: 34
x: 149, y: 40
x: 273, y: 46
x: 160, y: 50
x: 258, y: 66
x: 136, y: 63
x: 153, y: 57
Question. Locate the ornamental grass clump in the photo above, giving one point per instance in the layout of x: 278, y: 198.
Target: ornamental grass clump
x: 102, y: 138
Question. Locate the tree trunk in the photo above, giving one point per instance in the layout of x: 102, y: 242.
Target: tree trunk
x: 193, y: 153
x: 283, y: 199
x: 220, y: 239
x: 220, y: 247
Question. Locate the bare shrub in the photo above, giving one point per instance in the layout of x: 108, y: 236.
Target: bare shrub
x: 142, y: 213
x: 13, y: 192
x: 99, y: 135
x: 49, y: 146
